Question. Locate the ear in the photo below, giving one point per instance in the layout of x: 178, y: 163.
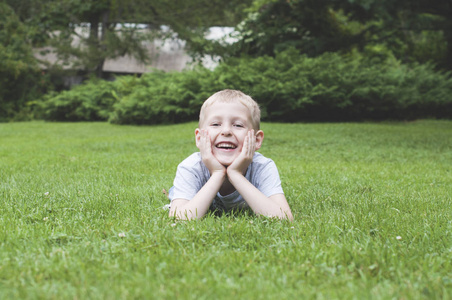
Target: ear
x: 197, y: 136
x: 259, y: 139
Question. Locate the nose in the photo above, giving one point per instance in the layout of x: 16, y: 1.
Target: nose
x: 226, y: 130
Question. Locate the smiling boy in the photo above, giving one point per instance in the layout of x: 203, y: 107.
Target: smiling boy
x: 227, y: 174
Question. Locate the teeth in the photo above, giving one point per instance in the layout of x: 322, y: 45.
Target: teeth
x: 226, y: 145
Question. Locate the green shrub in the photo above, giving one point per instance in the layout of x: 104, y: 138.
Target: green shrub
x: 163, y: 98
x: 91, y: 101
x: 289, y: 87
x: 293, y: 87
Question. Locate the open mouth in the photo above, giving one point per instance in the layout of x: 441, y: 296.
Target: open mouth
x: 226, y: 146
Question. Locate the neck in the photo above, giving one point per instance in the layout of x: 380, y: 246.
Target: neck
x: 226, y: 188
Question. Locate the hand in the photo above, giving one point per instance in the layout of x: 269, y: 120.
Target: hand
x: 205, y: 147
x: 241, y: 163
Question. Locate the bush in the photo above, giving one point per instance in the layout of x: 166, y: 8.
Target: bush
x: 163, y: 98
x: 91, y: 101
x: 289, y: 87
x: 332, y: 87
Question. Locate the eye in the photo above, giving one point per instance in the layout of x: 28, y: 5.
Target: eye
x: 215, y: 124
x: 238, y: 125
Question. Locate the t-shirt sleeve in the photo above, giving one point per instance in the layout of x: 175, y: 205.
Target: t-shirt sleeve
x: 187, y: 183
x: 267, y: 180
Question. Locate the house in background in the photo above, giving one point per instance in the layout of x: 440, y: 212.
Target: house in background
x: 167, y: 55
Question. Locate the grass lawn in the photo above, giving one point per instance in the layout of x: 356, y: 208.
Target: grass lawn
x: 81, y: 215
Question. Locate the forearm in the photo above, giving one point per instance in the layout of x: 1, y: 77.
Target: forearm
x: 257, y: 201
x: 199, y: 205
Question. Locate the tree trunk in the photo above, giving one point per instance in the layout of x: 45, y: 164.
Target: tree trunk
x: 104, y: 28
x: 93, y: 43
x: 98, y: 42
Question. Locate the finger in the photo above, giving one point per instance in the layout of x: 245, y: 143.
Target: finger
x: 204, y: 142
x: 201, y: 138
x: 252, y: 143
x: 246, y: 143
x: 208, y: 143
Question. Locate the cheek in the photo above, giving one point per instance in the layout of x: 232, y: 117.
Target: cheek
x: 243, y: 137
x: 212, y: 135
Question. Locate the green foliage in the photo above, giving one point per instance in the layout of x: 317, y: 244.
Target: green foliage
x: 163, y: 98
x: 429, y: 46
x: 20, y: 78
x: 84, y: 34
x: 312, y: 27
x: 336, y: 88
x: 332, y: 87
x: 154, y: 98
x: 289, y: 88
x: 81, y: 215
x: 91, y: 101
x: 414, y: 30
x: 423, y: 28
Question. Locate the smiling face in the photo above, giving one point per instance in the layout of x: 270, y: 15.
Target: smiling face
x: 228, y: 125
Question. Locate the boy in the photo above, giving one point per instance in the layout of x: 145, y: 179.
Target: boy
x: 227, y: 174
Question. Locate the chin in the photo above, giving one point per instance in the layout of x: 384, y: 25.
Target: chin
x: 226, y: 161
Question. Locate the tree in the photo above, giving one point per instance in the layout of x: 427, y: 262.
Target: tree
x: 417, y: 30
x: 107, y: 29
x: 417, y: 23
x: 20, y: 78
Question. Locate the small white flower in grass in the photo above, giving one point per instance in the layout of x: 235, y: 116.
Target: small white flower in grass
x: 45, y: 219
x: 292, y: 227
x: 398, y: 237
x: 121, y: 234
x: 46, y: 193
x: 174, y: 224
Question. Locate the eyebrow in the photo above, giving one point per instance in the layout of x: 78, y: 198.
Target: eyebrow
x: 220, y: 118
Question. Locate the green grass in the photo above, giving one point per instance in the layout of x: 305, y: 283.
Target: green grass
x: 81, y: 215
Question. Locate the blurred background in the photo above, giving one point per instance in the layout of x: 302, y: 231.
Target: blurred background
x: 155, y: 62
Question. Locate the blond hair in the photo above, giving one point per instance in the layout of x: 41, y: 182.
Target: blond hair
x: 233, y: 96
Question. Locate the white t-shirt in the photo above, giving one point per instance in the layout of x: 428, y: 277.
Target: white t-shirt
x: 192, y: 174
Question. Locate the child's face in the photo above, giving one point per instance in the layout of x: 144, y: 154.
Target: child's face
x: 227, y: 124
